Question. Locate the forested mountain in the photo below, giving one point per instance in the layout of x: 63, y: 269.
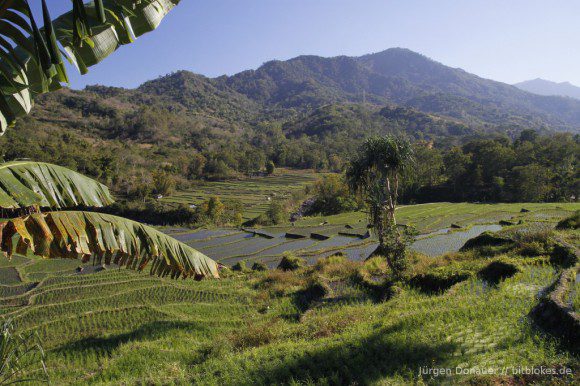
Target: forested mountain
x: 406, y: 78
x: 546, y: 87
x: 285, y: 90
x: 307, y: 112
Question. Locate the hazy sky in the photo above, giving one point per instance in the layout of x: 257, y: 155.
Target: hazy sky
x: 505, y: 40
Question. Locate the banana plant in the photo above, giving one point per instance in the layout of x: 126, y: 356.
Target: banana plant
x: 33, y: 185
x: 105, y: 239
x: 31, y: 57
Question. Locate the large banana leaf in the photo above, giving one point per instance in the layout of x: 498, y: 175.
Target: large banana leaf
x: 26, y: 184
x: 30, y: 58
x: 106, y: 239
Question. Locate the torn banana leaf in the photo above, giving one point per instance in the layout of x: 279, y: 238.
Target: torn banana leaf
x: 104, y: 239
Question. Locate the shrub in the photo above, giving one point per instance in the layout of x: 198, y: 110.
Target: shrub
x: 485, y: 239
x: 163, y: 183
x: 498, y: 270
x: 274, y: 215
x: 572, y: 222
x: 373, y: 276
x: 256, y: 335
x: 291, y: 262
x: 440, y: 279
x: 259, y: 266
x: 270, y: 167
x: 336, y: 266
x: 315, y: 289
x: 280, y: 283
x: 564, y: 255
x: 152, y: 212
x: 240, y: 266
x: 532, y: 248
x: 332, y: 196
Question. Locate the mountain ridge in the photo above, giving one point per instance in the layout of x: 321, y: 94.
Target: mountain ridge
x: 394, y: 76
x: 545, y: 87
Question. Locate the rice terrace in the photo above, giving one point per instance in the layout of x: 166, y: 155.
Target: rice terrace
x: 350, y: 219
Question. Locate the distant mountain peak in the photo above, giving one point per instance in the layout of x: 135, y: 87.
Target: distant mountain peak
x: 546, y: 87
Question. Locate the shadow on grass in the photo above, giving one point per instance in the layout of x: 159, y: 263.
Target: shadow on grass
x: 349, y: 361
x: 106, y: 345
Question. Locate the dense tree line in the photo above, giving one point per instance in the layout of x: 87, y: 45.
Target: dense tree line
x: 530, y: 168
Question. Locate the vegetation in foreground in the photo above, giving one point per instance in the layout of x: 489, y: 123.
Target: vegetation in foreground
x: 336, y: 321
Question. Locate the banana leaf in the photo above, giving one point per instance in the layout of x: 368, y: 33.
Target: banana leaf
x: 105, y: 239
x: 30, y: 59
x: 26, y: 184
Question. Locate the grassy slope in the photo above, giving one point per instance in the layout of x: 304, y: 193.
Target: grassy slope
x: 121, y: 327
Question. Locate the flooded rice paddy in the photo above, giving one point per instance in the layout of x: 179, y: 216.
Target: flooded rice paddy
x: 229, y: 246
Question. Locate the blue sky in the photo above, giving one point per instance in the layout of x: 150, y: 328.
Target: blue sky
x: 509, y: 41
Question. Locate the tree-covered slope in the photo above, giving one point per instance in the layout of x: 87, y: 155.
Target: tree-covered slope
x: 403, y: 77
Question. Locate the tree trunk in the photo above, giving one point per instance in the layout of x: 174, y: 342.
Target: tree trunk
x: 392, y: 202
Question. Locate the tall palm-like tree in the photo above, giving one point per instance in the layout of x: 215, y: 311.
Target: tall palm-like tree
x: 374, y: 173
x: 31, y: 56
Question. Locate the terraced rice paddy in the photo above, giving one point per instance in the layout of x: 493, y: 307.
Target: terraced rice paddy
x: 448, y: 240
x: 70, y: 310
x: 255, y: 194
x: 115, y: 326
x: 120, y: 327
x: 316, y: 237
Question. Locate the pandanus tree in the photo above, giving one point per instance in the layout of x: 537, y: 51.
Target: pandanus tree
x: 31, y: 56
x: 374, y: 173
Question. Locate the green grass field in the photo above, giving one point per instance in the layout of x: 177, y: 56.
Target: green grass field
x: 120, y: 327
x: 253, y: 193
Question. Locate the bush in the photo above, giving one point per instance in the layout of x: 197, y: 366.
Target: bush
x: 256, y: 335
x: 486, y: 239
x: 564, y: 255
x: 440, y: 279
x: 533, y: 248
x: 572, y: 222
x: 280, y: 283
x: 336, y: 266
x: 270, y: 167
x: 291, y: 262
x: 373, y: 275
x: 240, y: 266
x: 214, y: 211
x: 259, y: 266
x: 151, y: 212
x: 498, y: 270
x: 225, y: 271
x: 274, y: 215
x: 332, y: 196
x: 315, y: 289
